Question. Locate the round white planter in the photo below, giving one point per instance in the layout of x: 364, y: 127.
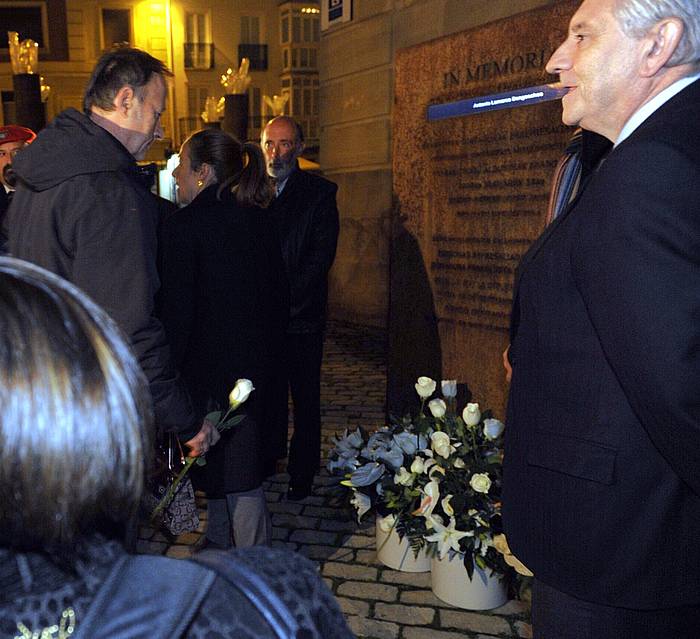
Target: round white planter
x: 397, y: 554
x: 451, y: 583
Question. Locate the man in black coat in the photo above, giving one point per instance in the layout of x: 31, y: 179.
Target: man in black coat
x: 601, y: 495
x: 81, y: 210
x: 307, y: 219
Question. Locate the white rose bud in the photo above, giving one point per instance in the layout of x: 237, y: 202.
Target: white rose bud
x: 480, y: 482
x: 449, y: 388
x: 441, y: 444
x: 387, y: 523
x: 492, y: 428
x: 459, y: 463
x: 471, y: 414
x: 425, y: 387
x: 417, y: 466
x: 437, y: 408
x: 403, y: 477
x: 240, y: 392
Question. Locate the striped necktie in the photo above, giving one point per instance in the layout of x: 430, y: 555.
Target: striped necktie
x: 567, y: 177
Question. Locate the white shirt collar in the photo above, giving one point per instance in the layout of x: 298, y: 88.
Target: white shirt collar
x: 655, y: 103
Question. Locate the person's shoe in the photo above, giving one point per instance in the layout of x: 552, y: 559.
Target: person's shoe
x: 295, y: 492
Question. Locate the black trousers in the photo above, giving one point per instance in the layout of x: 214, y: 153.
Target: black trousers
x: 556, y: 615
x: 304, y: 353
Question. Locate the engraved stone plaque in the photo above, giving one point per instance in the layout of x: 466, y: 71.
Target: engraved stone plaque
x: 470, y: 196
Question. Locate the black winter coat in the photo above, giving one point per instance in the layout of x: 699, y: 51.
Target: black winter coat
x: 224, y: 303
x: 307, y: 221
x: 81, y: 211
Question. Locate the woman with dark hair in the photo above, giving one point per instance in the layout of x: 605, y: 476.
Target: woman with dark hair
x: 224, y: 304
x: 75, y: 425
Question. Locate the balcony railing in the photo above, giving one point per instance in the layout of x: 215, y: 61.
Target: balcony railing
x: 199, y: 55
x: 256, y: 53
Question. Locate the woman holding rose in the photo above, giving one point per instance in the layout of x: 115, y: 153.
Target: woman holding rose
x: 224, y: 304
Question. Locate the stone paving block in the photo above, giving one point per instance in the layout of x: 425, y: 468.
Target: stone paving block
x: 371, y: 628
x: 474, y: 621
x: 289, y: 520
x: 337, y: 525
x: 313, y: 537
x: 284, y: 545
x: 347, y: 571
x: 523, y: 629
x: 292, y: 507
x: 363, y: 590
x: 412, y: 615
x: 353, y: 606
x: 368, y: 557
x: 513, y: 607
x: 358, y: 541
x: 326, y: 553
x: 318, y: 511
x: 188, y: 538
x: 429, y: 633
x: 418, y: 579
x: 422, y: 597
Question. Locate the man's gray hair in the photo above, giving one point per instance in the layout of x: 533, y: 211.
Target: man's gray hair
x: 636, y: 17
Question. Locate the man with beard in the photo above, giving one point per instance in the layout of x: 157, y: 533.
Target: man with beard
x: 306, y: 214
x: 81, y: 210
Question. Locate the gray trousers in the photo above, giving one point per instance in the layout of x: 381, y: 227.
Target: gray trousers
x: 241, y: 515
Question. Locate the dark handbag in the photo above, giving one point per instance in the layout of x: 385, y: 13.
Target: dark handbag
x: 180, y: 515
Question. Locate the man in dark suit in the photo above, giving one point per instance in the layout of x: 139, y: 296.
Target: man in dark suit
x: 307, y: 220
x: 601, y: 496
x: 13, y: 138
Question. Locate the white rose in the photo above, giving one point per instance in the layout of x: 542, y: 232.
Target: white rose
x: 417, y: 466
x: 403, y: 477
x: 492, y: 428
x: 471, y: 414
x: 449, y: 388
x: 480, y: 482
x: 441, y: 444
x: 437, y: 408
x: 240, y: 392
x: 459, y: 463
x: 425, y: 387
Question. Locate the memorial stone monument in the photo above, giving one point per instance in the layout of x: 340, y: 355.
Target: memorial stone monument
x: 470, y: 196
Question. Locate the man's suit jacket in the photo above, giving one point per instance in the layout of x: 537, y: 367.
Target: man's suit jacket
x: 307, y: 220
x: 601, y: 494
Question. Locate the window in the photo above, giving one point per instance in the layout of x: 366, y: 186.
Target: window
x: 27, y: 19
x: 116, y: 27
x: 296, y: 29
x: 250, y: 30
x: 43, y: 21
x: 199, y: 50
x: 196, y: 98
x: 285, y: 29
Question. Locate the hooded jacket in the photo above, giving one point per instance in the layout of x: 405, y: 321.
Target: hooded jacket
x: 82, y: 212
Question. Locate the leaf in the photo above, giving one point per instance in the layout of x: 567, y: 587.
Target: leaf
x: 469, y: 565
x: 214, y: 417
x: 236, y: 419
x: 201, y: 461
x: 480, y: 561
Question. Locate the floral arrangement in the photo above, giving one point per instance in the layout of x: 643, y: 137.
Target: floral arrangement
x: 436, y: 477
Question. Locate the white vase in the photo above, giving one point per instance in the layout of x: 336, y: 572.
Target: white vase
x: 451, y: 583
x: 397, y: 554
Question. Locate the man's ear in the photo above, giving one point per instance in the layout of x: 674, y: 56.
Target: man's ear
x: 660, y: 44
x: 124, y: 100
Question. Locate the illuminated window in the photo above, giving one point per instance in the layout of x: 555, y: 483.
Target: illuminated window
x: 116, y: 27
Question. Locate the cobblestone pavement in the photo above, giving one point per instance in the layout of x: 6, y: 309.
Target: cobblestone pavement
x: 379, y: 602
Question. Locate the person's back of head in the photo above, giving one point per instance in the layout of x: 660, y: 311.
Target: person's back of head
x: 238, y: 166
x: 118, y: 68
x: 75, y: 415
